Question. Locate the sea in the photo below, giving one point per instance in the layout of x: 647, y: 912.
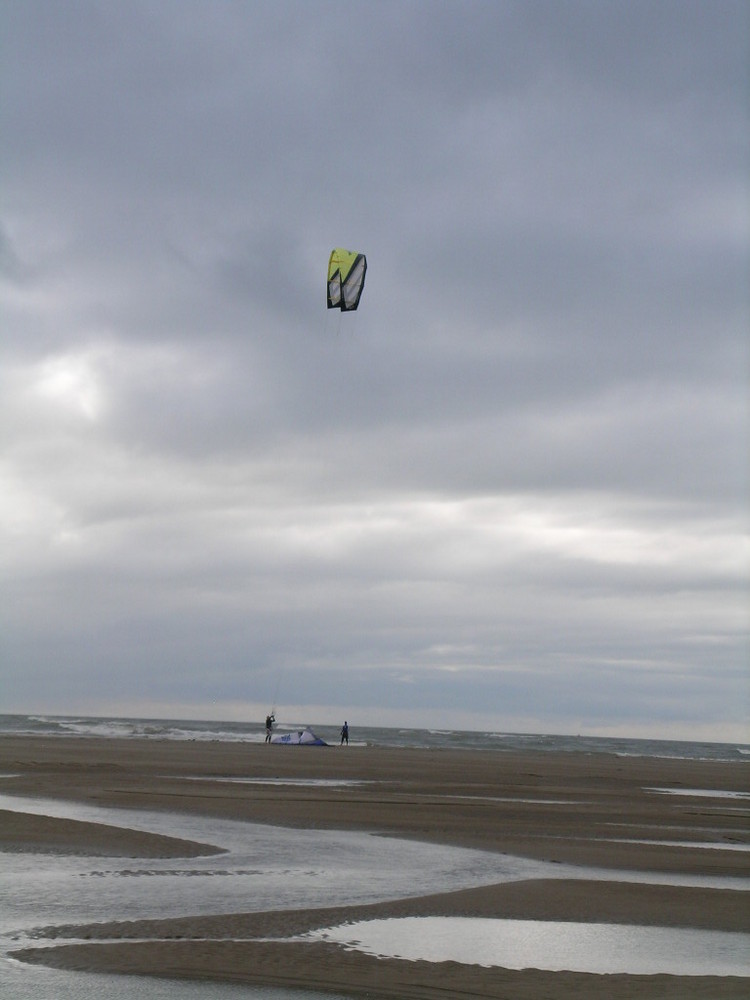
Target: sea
x: 433, y: 739
x: 259, y: 869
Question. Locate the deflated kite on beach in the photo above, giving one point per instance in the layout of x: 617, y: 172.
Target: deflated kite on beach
x: 346, y: 279
x: 303, y: 737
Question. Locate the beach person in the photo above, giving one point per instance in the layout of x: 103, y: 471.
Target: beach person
x: 345, y: 734
x: 270, y: 719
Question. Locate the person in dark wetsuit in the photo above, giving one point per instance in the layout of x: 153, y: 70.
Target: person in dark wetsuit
x: 345, y: 734
x: 270, y: 719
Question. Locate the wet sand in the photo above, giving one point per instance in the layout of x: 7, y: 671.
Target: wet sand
x: 574, y: 808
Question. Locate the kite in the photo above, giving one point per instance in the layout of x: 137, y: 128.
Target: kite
x: 346, y: 279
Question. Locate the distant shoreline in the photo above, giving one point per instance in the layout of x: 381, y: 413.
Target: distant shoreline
x: 498, y: 740
x: 581, y: 809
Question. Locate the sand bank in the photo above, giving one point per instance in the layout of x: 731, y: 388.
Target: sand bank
x: 594, y: 810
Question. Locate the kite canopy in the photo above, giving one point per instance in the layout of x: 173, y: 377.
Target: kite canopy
x: 346, y: 279
x: 303, y: 737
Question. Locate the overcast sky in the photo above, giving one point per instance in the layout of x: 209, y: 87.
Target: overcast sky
x: 510, y: 492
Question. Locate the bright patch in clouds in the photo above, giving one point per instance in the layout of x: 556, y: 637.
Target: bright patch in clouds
x: 72, y: 383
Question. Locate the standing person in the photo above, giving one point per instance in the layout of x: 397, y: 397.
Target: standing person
x: 345, y: 734
x: 270, y: 719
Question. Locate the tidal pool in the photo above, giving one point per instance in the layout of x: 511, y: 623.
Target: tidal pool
x: 553, y: 946
x: 303, y: 782
x: 707, y: 793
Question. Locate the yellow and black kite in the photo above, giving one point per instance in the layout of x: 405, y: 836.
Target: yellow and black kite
x: 346, y: 279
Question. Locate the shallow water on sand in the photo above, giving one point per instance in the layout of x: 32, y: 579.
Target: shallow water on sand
x: 23, y: 982
x: 262, y: 868
x: 259, y: 868
x: 551, y: 945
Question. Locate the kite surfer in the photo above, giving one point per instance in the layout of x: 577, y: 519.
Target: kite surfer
x: 345, y: 734
x: 270, y: 719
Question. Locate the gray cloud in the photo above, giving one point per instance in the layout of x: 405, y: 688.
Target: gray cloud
x: 512, y: 488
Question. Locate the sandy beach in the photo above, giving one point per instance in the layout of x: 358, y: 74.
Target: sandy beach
x: 584, y: 809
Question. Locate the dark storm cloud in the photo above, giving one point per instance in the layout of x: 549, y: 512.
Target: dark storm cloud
x: 519, y: 467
